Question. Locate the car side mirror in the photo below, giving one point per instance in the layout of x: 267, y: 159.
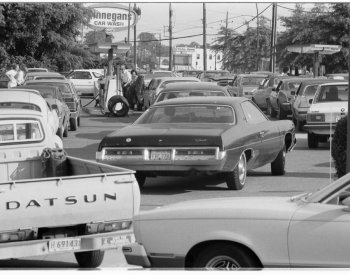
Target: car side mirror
x: 311, y: 100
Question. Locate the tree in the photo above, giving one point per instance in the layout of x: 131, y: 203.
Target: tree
x: 42, y: 34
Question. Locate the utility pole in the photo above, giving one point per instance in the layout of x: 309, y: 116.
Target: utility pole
x: 348, y: 119
x: 204, y: 39
x: 170, y: 38
x: 160, y: 47
x: 257, y: 38
x: 135, y: 57
x: 226, y: 38
x: 273, y: 38
x: 129, y: 24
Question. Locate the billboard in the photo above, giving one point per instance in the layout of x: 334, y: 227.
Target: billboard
x: 112, y: 17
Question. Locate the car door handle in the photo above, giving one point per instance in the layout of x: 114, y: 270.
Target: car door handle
x: 261, y: 134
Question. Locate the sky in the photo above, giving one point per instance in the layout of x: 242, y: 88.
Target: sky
x: 187, y: 18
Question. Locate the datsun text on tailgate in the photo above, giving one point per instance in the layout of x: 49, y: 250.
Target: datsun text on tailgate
x: 200, y: 135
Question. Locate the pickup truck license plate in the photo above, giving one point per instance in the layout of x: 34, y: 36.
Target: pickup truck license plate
x: 160, y: 155
x: 64, y: 244
x: 114, y: 241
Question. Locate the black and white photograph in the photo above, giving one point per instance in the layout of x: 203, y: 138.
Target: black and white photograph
x: 174, y: 136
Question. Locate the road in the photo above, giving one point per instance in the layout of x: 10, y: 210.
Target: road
x: 307, y: 171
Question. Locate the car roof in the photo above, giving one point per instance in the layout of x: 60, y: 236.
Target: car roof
x: 254, y: 75
x: 165, y: 78
x: 50, y: 81
x: 335, y: 83
x: 193, y: 85
x: 320, y: 80
x: 221, y: 100
x: 23, y: 95
x: 40, y: 87
x: 43, y: 74
x: 14, y: 112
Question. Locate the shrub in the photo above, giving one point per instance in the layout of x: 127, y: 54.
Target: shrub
x: 339, y: 147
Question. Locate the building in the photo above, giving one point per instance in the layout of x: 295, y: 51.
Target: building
x: 188, y: 58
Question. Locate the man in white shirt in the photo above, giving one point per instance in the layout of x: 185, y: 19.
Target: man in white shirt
x: 21, y: 74
x: 11, y: 74
x: 125, y: 77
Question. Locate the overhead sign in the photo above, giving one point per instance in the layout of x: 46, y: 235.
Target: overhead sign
x: 312, y: 48
x: 112, y: 17
x: 184, y: 49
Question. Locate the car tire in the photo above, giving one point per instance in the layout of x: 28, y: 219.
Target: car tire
x: 73, y: 122
x: 118, y: 106
x: 78, y: 121
x: 89, y: 259
x: 279, y: 164
x: 236, y: 179
x: 60, y: 132
x: 65, y: 132
x: 141, y: 179
x: 312, y: 140
x: 222, y: 256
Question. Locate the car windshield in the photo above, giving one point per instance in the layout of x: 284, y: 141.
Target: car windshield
x: 198, y: 113
x: 330, y: 93
x: 97, y: 75
x: 252, y: 81
x: 175, y: 94
x: 216, y: 74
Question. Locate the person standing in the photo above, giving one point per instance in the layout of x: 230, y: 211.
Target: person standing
x: 11, y: 74
x: 125, y: 77
x: 21, y: 75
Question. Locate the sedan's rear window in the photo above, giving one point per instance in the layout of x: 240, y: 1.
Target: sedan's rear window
x: 198, y: 113
x: 19, y: 105
x: 175, y: 94
x: 331, y: 93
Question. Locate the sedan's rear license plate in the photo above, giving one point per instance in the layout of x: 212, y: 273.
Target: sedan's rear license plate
x: 113, y: 241
x: 64, y: 244
x: 160, y: 155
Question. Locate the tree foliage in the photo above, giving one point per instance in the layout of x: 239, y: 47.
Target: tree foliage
x: 43, y: 34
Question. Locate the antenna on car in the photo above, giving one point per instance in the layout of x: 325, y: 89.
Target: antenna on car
x: 330, y: 150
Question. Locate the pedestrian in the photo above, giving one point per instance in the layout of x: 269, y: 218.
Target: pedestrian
x: 131, y: 94
x: 20, y: 76
x: 11, y: 74
x: 125, y: 77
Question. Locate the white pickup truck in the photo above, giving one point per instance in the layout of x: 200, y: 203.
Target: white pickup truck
x: 53, y: 203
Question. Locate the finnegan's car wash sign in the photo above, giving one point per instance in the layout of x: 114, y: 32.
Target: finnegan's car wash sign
x: 113, y: 17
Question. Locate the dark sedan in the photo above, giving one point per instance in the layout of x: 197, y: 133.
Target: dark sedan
x: 200, y: 135
x: 176, y: 90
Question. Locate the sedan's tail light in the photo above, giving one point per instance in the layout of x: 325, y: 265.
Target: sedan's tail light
x: 316, y: 117
x: 195, y: 154
x: 103, y: 227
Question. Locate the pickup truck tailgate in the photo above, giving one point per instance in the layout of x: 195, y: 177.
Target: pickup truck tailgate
x: 69, y: 200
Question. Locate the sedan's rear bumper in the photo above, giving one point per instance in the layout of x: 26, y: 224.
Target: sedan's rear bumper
x: 321, y: 128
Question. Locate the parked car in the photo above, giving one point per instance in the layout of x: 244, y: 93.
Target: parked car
x: 261, y: 95
x: 329, y: 104
x: 308, y: 230
x: 53, y: 203
x: 339, y: 76
x: 244, y: 84
x: 200, y: 135
x: 156, y: 74
x: 43, y: 75
x: 157, y: 84
x: 300, y: 104
x: 35, y: 70
x: 187, y: 89
x: 70, y: 96
x: 213, y: 75
x: 14, y: 98
x: 54, y: 98
x: 279, y: 102
x: 85, y: 81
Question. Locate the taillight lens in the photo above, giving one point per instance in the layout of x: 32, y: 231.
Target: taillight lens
x: 316, y: 117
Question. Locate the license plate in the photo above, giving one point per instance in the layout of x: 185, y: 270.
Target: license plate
x: 114, y: 241
x: 160, y: 155
x: 64, y: 244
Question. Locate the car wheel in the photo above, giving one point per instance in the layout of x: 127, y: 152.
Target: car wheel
x: 89, y: 259
x: 60, y: 132
x: 65, y: 132
x: 279, y: 164
x: 78, y: 120
x: 235, y: 180
x: 281, y: 113
x: 73, y: 122
x: 312, y: 140
x: 141, y: 179
x: 223, y: 257
x: 118, y: 107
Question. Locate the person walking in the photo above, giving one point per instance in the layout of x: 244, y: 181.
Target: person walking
x: 21, y: 74
x: 11, y: 74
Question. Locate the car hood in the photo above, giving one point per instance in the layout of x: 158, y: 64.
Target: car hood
x: 166, y: 135
x: 329, y: 107
x: 274, y: 208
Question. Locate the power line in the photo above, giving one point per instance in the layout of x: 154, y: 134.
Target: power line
x: 313, y: 12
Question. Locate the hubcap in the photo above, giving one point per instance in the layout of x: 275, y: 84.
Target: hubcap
x: 222, y: 262
x: 242, y: 170
x: 118, y: 107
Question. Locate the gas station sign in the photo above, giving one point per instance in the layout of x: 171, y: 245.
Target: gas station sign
x: 112, y: 17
